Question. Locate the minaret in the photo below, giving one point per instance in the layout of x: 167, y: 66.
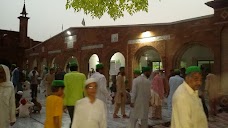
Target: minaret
x: 24, y: 43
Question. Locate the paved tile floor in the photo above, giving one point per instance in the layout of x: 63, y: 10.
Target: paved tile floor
x: 37, y: 120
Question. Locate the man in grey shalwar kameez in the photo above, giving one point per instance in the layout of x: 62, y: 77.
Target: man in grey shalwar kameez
x: 140, y: 92
x: 174, y: 83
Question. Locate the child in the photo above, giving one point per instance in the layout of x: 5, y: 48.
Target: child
x: 26, y: 91
x: 18, y: 97
x: 37, y: 106
x: 54, y: 105
x: 24, y: 108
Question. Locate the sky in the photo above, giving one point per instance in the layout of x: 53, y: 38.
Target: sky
x: 48, y: 16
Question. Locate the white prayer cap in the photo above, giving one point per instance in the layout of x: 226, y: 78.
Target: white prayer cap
x: 20, y: 92
x: 90, y: 80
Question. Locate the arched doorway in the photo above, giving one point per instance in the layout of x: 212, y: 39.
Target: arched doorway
x: 93, y: 61
x: 148, y: 56
x: 195, y: 55
x: 72, y: 59
x: 117, y: 60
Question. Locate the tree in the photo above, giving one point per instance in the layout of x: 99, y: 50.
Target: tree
x: 114, y: 8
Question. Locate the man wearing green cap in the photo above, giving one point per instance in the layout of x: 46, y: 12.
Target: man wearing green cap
x: 102, y: 92
x: 74, y: 82
x: 136, y: 73
x: 54, y: 105
x: 140, y: 92
x: 174, y: 83
x: 187, y: 109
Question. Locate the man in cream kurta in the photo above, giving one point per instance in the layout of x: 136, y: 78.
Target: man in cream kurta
x: 187, y: 107
x: 102, y: 92
x: 140, y: 92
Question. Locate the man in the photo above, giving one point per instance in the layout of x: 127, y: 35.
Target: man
x: 34, y: 69
x: 48, y: 79
x: 59, y: 75
x: 212, y: 89
x: 174, y: 83
x: 187, y: 109
x: 140, y: 92
x: 136, y: 73
x: 102, y: 92
x: 120, y: 98
x: 74, y: 84
x: 90, y: 112
x: 15, y: 78
x: 182, y: 72
x: 158, y: 95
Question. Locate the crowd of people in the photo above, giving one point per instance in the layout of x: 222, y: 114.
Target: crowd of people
x: 87, y: 99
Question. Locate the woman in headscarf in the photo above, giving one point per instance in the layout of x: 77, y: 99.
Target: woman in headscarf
x: 7, y: 99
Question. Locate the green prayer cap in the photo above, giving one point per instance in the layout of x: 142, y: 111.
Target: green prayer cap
x: 58, y: 83
x: 176, y: 71
x: 73, y: 64
x: 146, y: 69
x: 14, y: 65
x: 99, y: 66
x: 138, y: 72
x: 192, y: 69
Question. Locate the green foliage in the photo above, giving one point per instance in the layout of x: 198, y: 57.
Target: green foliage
x: 114, y: 8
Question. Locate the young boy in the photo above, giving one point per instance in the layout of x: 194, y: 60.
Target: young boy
x: 54, y: 105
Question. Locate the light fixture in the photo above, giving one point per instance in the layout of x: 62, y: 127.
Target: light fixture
x: 146, y: 58
x: 69, y: 33
x: 146, y: 34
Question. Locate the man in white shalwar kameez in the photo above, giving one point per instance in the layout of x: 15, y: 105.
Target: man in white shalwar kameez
x: 174, y: 83
x: 102, y: 92
x: 90, y: 112
x: 7, y: 99
x: 187, y: 108
x: 140, y: 99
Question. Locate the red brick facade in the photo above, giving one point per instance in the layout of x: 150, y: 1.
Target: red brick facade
x: 205, y: 31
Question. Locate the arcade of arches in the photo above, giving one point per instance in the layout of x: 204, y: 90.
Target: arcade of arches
x: 165, y: 50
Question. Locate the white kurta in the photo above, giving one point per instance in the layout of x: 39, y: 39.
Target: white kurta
x: 102, y: 92
x: 7, y: 101
x: 140, y: 97
x: 89, y: 115
x: 187, y: 109
x: 174, y: 83
x: 24, y: 109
